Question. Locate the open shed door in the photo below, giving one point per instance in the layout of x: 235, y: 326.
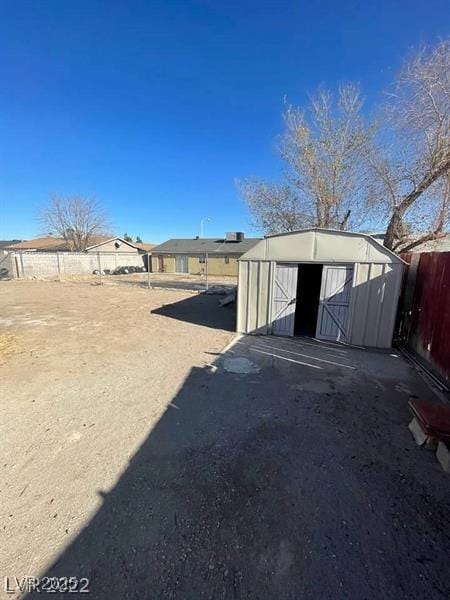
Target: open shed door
x: 284, y: 299
x: 334, y: 305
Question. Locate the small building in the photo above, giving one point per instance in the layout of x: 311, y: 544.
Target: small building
x: 441, y: 244
x: 332, y: 285
x: 200, y: 255
x: 4, y: 244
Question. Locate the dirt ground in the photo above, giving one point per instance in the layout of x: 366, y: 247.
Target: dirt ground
x: 140, y: 457
x: 86, y: 371
x: 285, y: 471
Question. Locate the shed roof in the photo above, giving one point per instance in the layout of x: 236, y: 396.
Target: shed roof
x: 321, y: 245
x: 203, y: 245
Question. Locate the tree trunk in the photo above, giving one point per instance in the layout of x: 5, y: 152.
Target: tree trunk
x: 399, y: 211
x: 343, y: 223
x: 393, y: 226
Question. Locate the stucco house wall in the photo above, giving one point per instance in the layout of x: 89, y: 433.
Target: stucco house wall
x: 217, y: 265
x: 168, y: 261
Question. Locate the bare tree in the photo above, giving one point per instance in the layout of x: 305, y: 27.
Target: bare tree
x: 411, y: 165
x: 324, y: 182
x: 275, y: 207
x: 77, y: 220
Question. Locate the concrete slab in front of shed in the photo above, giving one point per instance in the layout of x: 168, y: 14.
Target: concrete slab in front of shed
x: 240, y: 365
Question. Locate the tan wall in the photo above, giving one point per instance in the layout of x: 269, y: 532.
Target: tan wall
x: 216, y: 265
x: 169, y: 264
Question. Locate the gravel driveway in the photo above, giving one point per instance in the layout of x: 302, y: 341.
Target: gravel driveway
x: 284, y: 470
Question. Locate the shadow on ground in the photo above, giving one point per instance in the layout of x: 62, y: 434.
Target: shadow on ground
x: 295, y: 477
x: 201, y: 309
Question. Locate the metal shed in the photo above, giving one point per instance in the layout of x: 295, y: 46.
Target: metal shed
x: 332, y: 285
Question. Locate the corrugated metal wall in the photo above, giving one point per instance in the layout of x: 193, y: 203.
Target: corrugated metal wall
x: 373, y: 305
x: 376, y: 288
x: 255, y: 289
x: 425, y: 310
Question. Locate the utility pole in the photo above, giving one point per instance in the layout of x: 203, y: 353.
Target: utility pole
x: 205, y: 220
x: 149, y: 285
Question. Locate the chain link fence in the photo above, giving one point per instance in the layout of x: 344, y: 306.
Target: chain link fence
x: 126, y: 268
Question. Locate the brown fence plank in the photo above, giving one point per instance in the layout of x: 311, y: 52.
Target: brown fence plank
x: 425, y: 310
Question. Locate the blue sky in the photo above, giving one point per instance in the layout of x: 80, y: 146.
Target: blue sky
x: 156, y: 107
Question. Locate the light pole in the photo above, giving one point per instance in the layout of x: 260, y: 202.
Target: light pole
x: 205, y: 220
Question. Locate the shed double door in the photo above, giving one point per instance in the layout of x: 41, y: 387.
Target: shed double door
x: 284, y: 299
x: 334, y: 303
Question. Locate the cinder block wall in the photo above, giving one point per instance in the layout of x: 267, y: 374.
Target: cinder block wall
x: 54, y: 264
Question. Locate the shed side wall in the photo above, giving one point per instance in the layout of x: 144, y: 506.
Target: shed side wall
x: 376, y: 289
x: 254, y: 292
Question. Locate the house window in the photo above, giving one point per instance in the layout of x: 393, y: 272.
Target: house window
x: 227, y: 260
x: 202, y: 260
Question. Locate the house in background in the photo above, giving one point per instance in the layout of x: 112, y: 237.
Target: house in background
x: 192, y: 256
x: 4, y: 244
x: 98, y: 243
x: 442, y: 244
x: 144, y: 247
x: 54, y: 257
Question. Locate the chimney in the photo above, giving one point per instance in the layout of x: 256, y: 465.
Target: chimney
x: 234, y: 236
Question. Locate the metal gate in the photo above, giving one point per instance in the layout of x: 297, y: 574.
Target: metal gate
x: 334, y: 304
x: 284, y: 299
x: 181, y: 264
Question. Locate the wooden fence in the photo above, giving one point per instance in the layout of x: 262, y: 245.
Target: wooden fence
x: 424, y: 315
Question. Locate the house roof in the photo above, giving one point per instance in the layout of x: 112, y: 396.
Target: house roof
x: 441, y: 244
x: 7, y: 243
x: 144, y: 247
x: 203, y: 245
x: 43, y: 243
